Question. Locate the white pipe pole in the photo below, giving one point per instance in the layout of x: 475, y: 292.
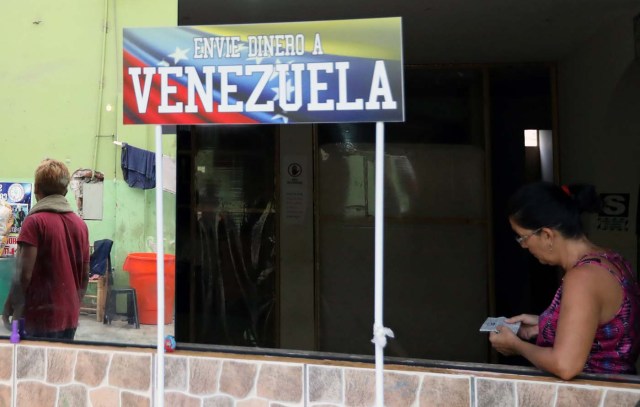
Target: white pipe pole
x: 159, y: 396
x: 378, y: 326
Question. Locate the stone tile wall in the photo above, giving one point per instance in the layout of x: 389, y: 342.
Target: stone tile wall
x: 60, y: 375
x: 6, y: 374
x: 46, y: 376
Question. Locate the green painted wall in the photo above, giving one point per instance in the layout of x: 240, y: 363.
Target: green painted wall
x: 60, y: 97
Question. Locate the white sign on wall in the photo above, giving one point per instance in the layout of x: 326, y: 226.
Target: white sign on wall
x: 294, y: 175
x: 614, y: 215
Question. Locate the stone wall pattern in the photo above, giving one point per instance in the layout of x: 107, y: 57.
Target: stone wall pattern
x: 75, y: 376
x: 72, y: 376
x: 6, y: 374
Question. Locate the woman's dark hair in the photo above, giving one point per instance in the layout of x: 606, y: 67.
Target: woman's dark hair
x: 543, y: 204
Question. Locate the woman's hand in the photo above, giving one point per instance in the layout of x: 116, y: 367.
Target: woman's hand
x: 504, y: 341
x: 528, y: 325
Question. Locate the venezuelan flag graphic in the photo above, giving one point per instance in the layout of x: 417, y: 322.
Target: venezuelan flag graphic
x: 305, y: 72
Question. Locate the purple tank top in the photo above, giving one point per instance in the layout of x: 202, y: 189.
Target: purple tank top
x: 617, y: 342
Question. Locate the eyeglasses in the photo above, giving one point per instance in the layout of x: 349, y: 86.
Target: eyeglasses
x: 522, y: 239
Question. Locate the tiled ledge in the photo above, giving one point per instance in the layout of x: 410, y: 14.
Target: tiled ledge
x: 357, y: 361
x: 489, y: 371
x: 50, y: 373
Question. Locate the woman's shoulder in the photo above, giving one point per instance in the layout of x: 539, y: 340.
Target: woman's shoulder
x: 595, y: 274
x: 597, y: 281
x: 582, y: 272
x: 607, y: 259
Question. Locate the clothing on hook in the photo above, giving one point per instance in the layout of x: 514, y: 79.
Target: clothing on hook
x: 138, y: 167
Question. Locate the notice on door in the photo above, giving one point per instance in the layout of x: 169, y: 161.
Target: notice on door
x: 294, y: 173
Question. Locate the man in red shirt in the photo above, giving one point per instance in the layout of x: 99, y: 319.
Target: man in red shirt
x: 52, y: 260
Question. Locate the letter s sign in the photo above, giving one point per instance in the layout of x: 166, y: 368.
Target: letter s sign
x: 615, y: 205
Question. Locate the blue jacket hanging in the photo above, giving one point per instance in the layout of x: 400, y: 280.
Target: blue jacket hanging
x: 138, y: 167
x: 100, y: 259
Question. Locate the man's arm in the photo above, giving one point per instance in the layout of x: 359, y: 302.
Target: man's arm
x: 84, y: 281
x: 25, y: 261
x: 7, y: 311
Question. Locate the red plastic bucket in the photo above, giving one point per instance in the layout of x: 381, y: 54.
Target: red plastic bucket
x: 143, y: 277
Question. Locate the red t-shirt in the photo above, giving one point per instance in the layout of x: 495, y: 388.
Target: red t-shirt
x: 52, y: 303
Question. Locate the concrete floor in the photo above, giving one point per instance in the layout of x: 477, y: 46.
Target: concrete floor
x: 119, y: 332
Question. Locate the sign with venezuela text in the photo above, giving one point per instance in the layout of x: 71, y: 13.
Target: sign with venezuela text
x: 277, y: 73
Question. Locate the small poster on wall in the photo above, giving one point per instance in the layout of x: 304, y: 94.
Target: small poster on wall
x: 614, y: 215
x: 15, y: 203
x: 294, y: 197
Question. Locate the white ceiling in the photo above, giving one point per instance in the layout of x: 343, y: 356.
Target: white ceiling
x: 444, y: 31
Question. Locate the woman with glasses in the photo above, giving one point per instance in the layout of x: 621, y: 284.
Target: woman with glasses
x: 593, y: 322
